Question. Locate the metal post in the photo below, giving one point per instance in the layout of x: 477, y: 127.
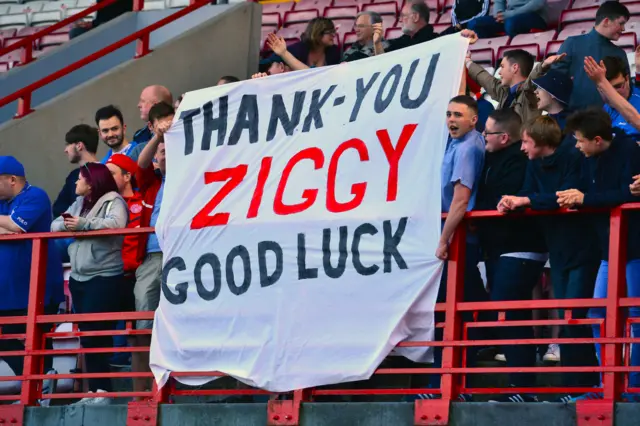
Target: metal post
x: 33, y: 364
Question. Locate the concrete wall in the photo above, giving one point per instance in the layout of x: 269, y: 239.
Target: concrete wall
x: 227, y: 43
x: 89, y: 43
x: 327, y: 414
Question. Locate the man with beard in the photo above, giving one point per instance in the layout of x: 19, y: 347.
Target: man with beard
x: 81, y: 147
x: 112, y: 131
x: 414, y: 18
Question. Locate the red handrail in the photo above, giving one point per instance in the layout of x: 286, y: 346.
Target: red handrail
x: 27, y: 42
x: 23, y: 96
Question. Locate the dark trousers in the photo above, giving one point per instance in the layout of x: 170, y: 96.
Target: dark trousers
x: 97, y: 295
x: 511, y: 278
x: 6, y: 345
x: 576, y: 283
x: 474, y: 291
x: 487, y: 26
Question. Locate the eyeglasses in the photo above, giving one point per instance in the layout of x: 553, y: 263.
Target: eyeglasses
x: 485, y: 133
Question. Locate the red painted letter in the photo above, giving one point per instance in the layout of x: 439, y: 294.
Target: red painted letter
x: 393, y: 156
x: 309, y: 195
x: 233, y: 176
x: 256, y: 200
x: 357, y: 189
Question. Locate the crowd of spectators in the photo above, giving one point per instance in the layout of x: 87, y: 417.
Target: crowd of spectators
x: 564, y: 134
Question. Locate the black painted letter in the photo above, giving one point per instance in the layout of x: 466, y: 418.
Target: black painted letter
x: 181, y: 288
x: 361, y: 92
x: 243, y: 253
x: 265, y: 279
x: 304, y: 273
x: 213, y: 261
x: 405, y: 100
x: 391, y: 243
x: 218, y: 124
x: 381, y: 104
x: 314, y: 109
x: 187, y: 123
x: 247, y: 118
x: 279, y: 113
x: 365, y: 228
x: 326, y: 253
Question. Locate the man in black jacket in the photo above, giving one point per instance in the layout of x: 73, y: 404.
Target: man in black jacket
x: 414, y: 18
x: 554, y: 165
x: 611, y: 159
x: 514, y: 250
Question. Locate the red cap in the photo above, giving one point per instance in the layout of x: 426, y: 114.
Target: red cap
x: 124, y: 162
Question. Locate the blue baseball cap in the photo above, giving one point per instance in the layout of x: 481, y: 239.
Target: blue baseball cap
x: 10, y: 166
x: 557, y: 84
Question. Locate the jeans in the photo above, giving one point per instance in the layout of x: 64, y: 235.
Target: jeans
x: 128, y: 305
x: 633, y: 290
x: 576, y: 283
x: 6, y: 345
x: 513, y: 278
x: 97, y: 295
x: 62, y: 245
x: 487, y: 26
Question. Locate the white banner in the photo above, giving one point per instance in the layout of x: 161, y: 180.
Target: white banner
x: 300, y: 220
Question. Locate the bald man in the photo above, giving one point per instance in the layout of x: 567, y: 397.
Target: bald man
x: 150, y: 96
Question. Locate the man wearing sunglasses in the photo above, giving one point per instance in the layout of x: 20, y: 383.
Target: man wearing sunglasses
x: 618, y: 75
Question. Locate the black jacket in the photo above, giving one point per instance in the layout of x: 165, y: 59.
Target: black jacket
x: 424, y: 34
x: 570, y: 239
x: 67, y: 194
x: 503, y: 174
x: 605, y: 181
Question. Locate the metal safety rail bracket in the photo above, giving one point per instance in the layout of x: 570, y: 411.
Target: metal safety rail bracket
x: 12, y: 415
x: 431, y: 412
x: 594, y: 413
x: 283, y: 413
x: 142, y: 413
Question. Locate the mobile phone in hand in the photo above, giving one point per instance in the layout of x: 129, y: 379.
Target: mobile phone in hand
x: 66, y: 216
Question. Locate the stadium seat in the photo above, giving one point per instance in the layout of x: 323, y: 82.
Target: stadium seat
x: 154, y: 5
x: 4, y: 66
x: 53, y: 40
x: 391, y: 33
x: 7, y: 32
x: 46, y: 18
x: 11, y: 1
x: 173, y: 4
x: 438, y: 28
x: 12, y: 58
x: 4, y: 9
x: 14, y: 21
x: 541, y: 39
x: 280, y: 8
x: 577, y: 15
x: 385, y: 8
x: 319, y: 5
x: 445, y: 18
x: 533, y: 48
x: 74, y: 10
x: 627, y: 41
x: 490, y: 43
x: 434, y: 5
x: 448, y: 4
x: 575, y: 30
x: 388, y: 21
x: 271, y: 20
x: 88, y: 3
x: 348, y: 39
x: 553, y: 47
x: 582, y: 4
x: 299, y: 16
x: 633, y: 25
x: 292, y: 32
x: 27, y: 31
x: 634, y: 8
x: 18, y: 9
x: 358, y: 3
x: 337, y: 12
x: 484, y: 56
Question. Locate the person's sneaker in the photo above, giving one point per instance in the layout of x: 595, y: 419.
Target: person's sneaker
x: 553, y: 353
x: 94, y: 400
x: 500, y: 358
x: 463, y: 397
x: 591, y: 396
x: 518, y: 397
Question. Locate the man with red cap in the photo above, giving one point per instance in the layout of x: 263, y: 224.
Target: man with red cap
x: 123, y: 169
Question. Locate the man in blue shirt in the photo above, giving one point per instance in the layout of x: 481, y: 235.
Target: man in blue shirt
x: 149, y: 97
x: 611, y: 18
x: 618, y: 75
x: 23, y: 208
x: 113, y: 132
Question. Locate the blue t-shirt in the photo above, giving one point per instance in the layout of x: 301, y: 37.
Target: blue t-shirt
x: 30, y: 210
x: 463, y: 161
x: 617, y: 120
x: 127, y: 149
x: 153, y: 246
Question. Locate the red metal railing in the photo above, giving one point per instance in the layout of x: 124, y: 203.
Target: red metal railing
x: 141, y: 37
x: 615, y: 364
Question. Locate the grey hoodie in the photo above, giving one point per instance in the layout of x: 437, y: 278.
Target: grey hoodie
x: 92, y: 257
x: 511, y: 8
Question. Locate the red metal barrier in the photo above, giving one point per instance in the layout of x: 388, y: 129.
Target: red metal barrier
x: 141, y: 37
x: 614, y: 366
